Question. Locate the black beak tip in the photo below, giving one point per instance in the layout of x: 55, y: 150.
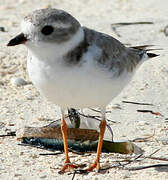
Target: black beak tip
x: 11, y: 43
x: 20, y: 39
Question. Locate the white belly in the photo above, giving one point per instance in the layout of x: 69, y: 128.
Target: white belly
x: 76, y: 86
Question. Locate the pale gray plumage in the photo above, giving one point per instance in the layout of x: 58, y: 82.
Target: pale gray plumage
x: 50, y: 16
x: 114, y: 54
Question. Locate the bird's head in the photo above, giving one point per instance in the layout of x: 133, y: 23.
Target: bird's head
x: 47, y: 26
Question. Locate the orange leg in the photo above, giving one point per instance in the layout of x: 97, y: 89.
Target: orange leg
x: 68, y: 164
x: 96, y: 164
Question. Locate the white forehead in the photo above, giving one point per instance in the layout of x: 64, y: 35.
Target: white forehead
x: 27, y: 27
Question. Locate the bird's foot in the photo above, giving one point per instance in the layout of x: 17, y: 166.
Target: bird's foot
x: 70, y: 167
x: 93, y: 166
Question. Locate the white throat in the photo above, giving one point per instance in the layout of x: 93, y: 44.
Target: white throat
x: 48, y: 51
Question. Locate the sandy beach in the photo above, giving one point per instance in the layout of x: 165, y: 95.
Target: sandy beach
x: 23, y: 106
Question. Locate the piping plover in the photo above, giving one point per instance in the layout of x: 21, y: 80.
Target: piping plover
x: 74, y: 66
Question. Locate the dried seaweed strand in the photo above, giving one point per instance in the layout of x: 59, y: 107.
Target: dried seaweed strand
x: 146, y: 167
x: 73, y: 177
x: 120, y: 165
x: 138, y: 103
x: 131, y: 23
x: 156, y: 158
x: 81, y: 171
x: 142, y: 139
x: 150, y: 111
x: 13, y: 133
x: 117, y: 25
x: 50, y: 154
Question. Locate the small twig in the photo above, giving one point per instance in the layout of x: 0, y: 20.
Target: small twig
x: 155, y: 158
x: 142, y: 139
x: 146, y: 167
x: 122, y: 165
x: 12, y: 133
x: 50, y: 154
x: 89, y: 116
x: 150, y: 111
x: 131, y: 161
x: 140, y: 167
x: 135, y: 159
x: 98, y: 111
x: 75, y: 152
x: 69, y: 149
x: 143, y: 157
x: 115, y: 122
x: 98, y: 118
x: 131, y: 23
x: 81, y: 171
x: 154, y: 152
x: 138, y: 103
x: 117, y: 25
x: 73, y: 177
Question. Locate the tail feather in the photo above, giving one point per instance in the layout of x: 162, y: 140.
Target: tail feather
x: 141, y: 47
x: 151, y: 55
x: 155, y: 49
x: 143, y: 50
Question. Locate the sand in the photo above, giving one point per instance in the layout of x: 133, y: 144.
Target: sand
x: 20, y: 106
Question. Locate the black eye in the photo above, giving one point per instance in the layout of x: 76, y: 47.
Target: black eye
x: 47, y: 30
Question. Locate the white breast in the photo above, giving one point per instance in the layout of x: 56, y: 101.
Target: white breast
x: 78, y: 86
x: 82, y: 86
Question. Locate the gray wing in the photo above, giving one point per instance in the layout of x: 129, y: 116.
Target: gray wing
x: 114, y: 54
